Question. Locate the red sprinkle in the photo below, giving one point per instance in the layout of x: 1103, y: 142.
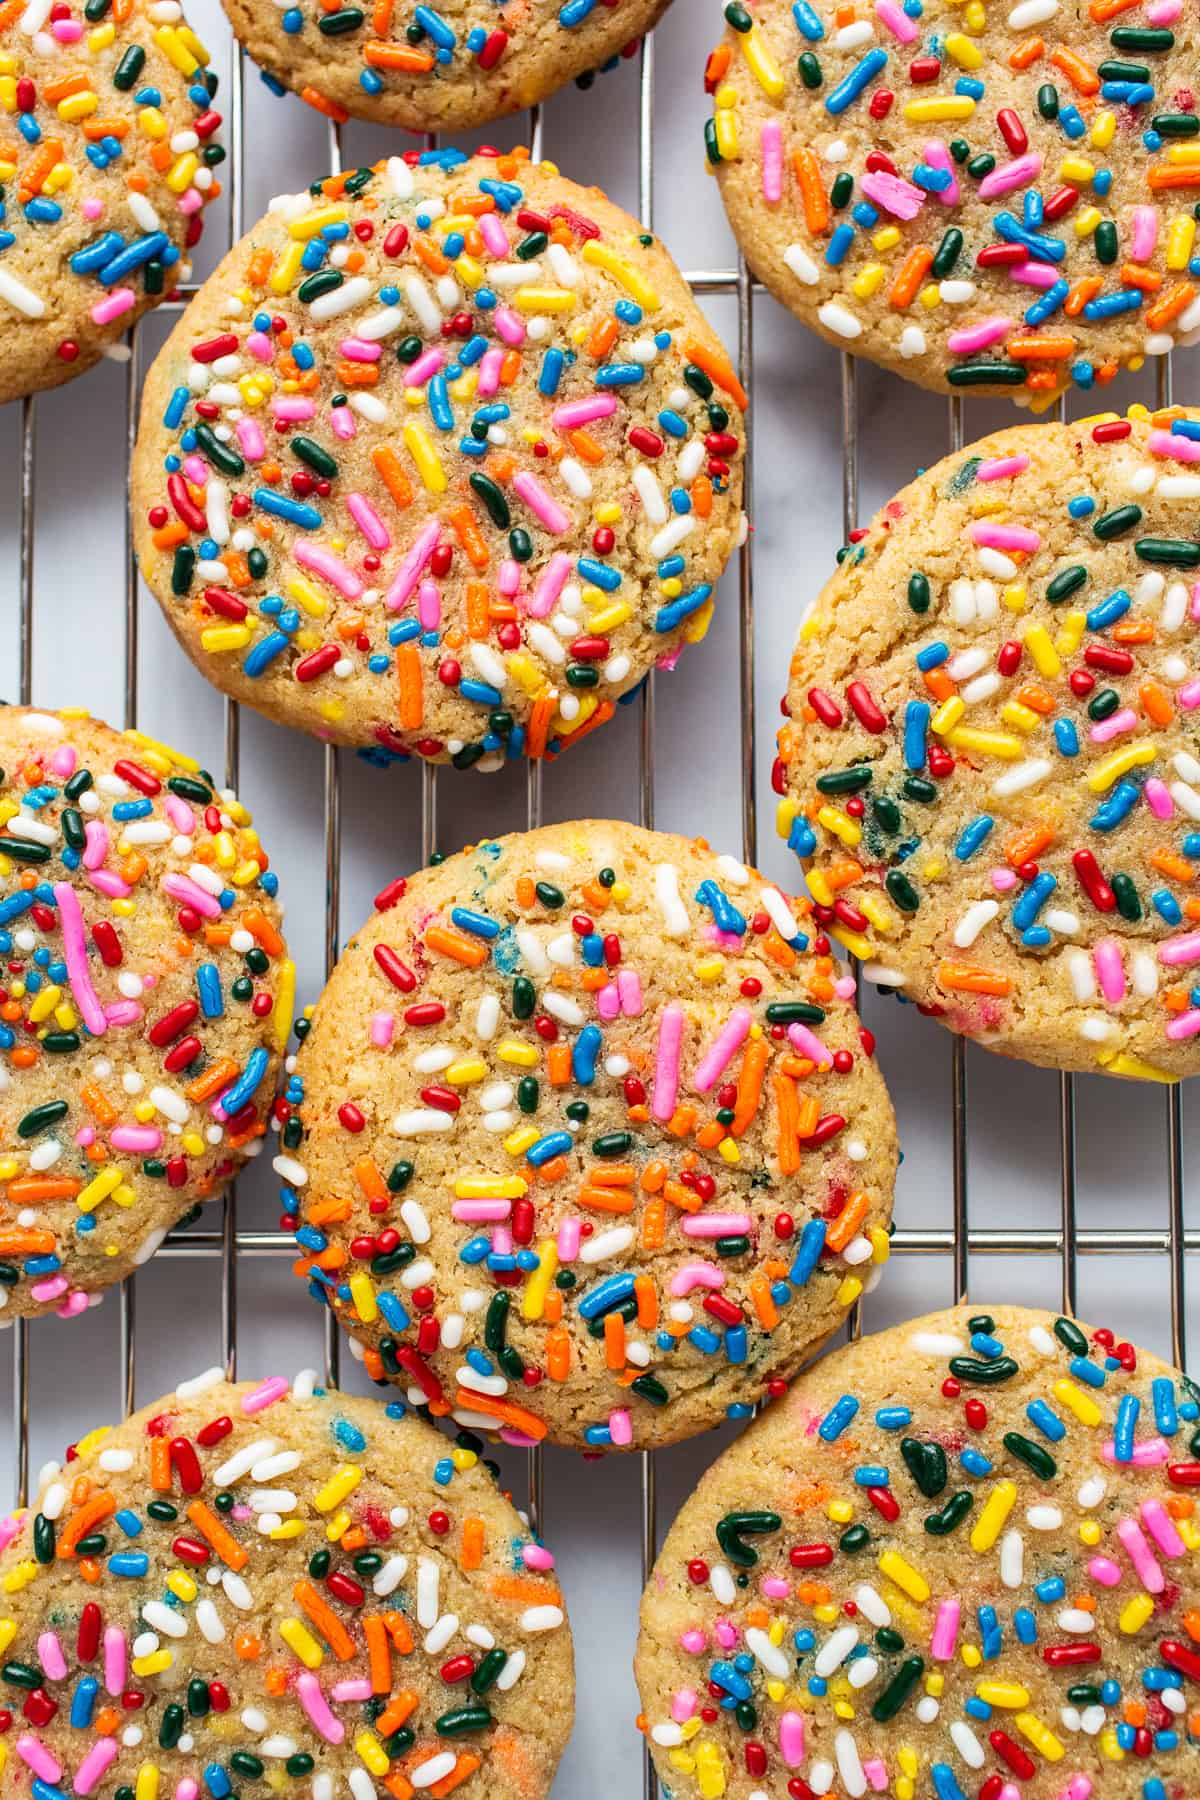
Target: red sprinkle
x: 398, y: 973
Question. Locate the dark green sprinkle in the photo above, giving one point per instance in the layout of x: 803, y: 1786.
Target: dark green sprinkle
x: 731, y: 1246
x: 1065, y: 583
x: 738, y: 17
x: 1105, y: 240
x: 337, y: 24
x: 980, y: 1373
x: 531, y: 246
x: 1122, y: 518
x: 43, y: 1539
x: 810, y: 70
x: 129, y: 68
x: 981, y: 1322
x: 528, y: 1093
x: 1083, y: 1693
x: 919, y: 787
x: 735, y: 1527
x: 1128, y: 904
x: 1176, y: 125
x: 41, y: 1118
x: 1103, y: 703
x: 918, y: 592
x: 1069, y: 1335
x: 698, y: 381
x: 401, y: 1175
x: 1047, y: 100
x: 1032, y: 1455
x: 219, y: 454
x: 889, y: 1640
x: 1180, y: 553
x: 246, y: 1764
x: 189, y: 789
x: 612, y: 1143
x: 947, y: 253
x: 941, y: 1524
x: 495, y: 1322
x: 183, y: 567
x: 926, y: 1463
x: 488, y: 1669
x: 981, y: 165
x: 198, y: 1701
x: 323, y: 282
x: 520, y: 544
x: 902, y: 891
x: 856, y: 1537
x: 318, y: 1564
x: 1125, y: 71
x: 549, y: 896
x: 627, y: 1310
x: 524, y: 997
x: 315, y: 455
x: 898, y: 1689
x: 1134, y: 37
x: 846, y: 781
x: 493, y: 499
x: 300, y: 1764
x: 582, y: 675
x: 79, y: 783
x: 840, y: 192
x: 21, y: 1675
x: 996, y: 374
x: 26, y: 853
x: 170, y: 1729
x: 886, y: 812
x: 959, y: 149
x: 794, y: 1012
x: 650, y: 1388
x: 163, y: 1511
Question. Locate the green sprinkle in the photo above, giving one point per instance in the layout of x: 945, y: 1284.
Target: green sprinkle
x: 846, y: 781
x: 733, y: 1529
x: 810, y: 70
x: 1032, y: 1455
x: 1128, y: 904
x: 902, y: 891
x: 1180, y: 553
x: 315, y: 455
x: 947, y: 253
x: 918, y: 592
x: 926, y: 1463
x: 1065, y: 583
x: 1122, y: 518
x: 977, y: 1372
x: 898, y: 1689
x: 493, y: 499
x: 941, y: 1524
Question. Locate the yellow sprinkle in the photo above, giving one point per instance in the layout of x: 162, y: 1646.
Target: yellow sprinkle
x: 843, y: 827
x: 544, y: 300
x: 490, y: 1187
x: 302, y: 1643
x: 78, y: 106
x: 179, y: 177
x: 176, y: 50
x: 225, y: 637
x: 1046, y: 659
x: 710, y: 969
x: 1109, y: 768
x: 429, y: 465
x: 987, y: 743
x: 910, y: 1581
x: 607, y: 618
x: 182, y: 1586
x: 725, y: 127
x: 338, y: 1526
x: 463, y: 1074
x: 312, y: 222
x: 372, y: 1752
x: 1090, y: 1532
x: 840, y: 1511
x: 154, y: 1664
x: 1135, y: 1613
x: 931, y: 296
x: 990, y: 1522
x: 729, y: 1153
x: 518, y: 1142
x: 868, y: 281
x: 19, y: 1577
x: 285, y: 1000
x: 1040, y: 1736
x: 1184, y: 153
x: 290, y: 1528
x: 362, y: 1292
x: 1015, y: 597
x: 1134, y: 1068
x: 762, y: 64
x: 932, y: 112
x: 947, y: 715
x: 45, y: 1004
x: 626, y: 274
x: 887, y: 239
x: 337, y: 1488
x: 849, y: 1290
x: 1109, y: 1746
x: 1181, y: 234
x: 1104, y: 128
x: 146, y: 1786
x: 854, y: 941
x: 972, y: 1656
x: 1087, y: 221
x: 878, y: 912
x: 512, y: 1050
x: 1003, y: 1693
x: 935, y: 1685
x: 1021, y: 718
x: 1076, y: 168
x: 98, y: 1188
x: 533, y: 1300
x: 1073, y: 626
x: 966, y: 54
x: 1077, y: 1402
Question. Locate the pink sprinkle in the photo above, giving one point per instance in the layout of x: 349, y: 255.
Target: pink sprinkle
x: 509, y: 325
x: 51, y: 1657
x: 1164, y: 12
x: 103, y: 1752
x: 1078, y: 1788
x: 1003, y: 537
x: 1166, y: 443
x: 1133, y: 1542
x: 383, y: 1024
x: 666, y: 1071
x: 361, y: 350
x: 1145, y: 235
x: 509, y: 578
x: 876, y: 1774
x: 570, y: 1234
x: 978, y: 337
x: 114, y: 1660
x: 550, y: 584
x: 725, y: 1634
x: 1162, y: 1528
x: 1018, y: 173
x: 1188, y: 695
x: 897, y: 21
x: 250, y: 437
x: 197, y: 470
x: 1004, y: 880
x: 583, y: 412
x: 776, y: 1588
x: 1116, y: 725
x: 123, y: 1012
x: 938, y: 157
x: 426, y: 366
x: 1105, y: 1571
x: 893, y: 193
x: 429, y: 606
x: 260, y: 345
x: 409, y: 572
x: 67, y: 31
x: 1184, y: 1025
x: 481, y: 1211
x: 490, y: 366
x: 293, y: 407
x: 1151, y: 1453
x: 105, y: 882
x: 494, y: 235
x: 31, y: 1750
x: 63, y: 760
x: 95, y: 844
x: 368, y: 521
x: 999, y: 468
x: 328, y: 567
x: 341, y: 421
x: 536, y: 1556
x: 808, y: 1044
x: 629, y: 987
x: 184, y: 889
x: 70, y: 918
x: 540, y: 502
x: 1034, y: 274
x: 608, y: 1002
x: 791, y: 1738
x: 716, y: 1225
x: 142, y: 1140
x: 75, y: 1303
x: 620, y: 1428
x: 93, y: 209
x: 1110, y: 970
x: 356, y: 1688
x: 945, y: 1631
x: 264, y: 1395
x: 683, y: 1701
x: 317, y: 1707
x: 725, y: 1046
x: 191, y: 201
x: 771, y: 140
x: 121, y: 300
x: 9, y: 1529
x: 694, y: 1275
x: 1158, y: 798
x: 186, y: 1789
x: 1185, y: 949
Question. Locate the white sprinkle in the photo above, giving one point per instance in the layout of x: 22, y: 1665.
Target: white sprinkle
x: 839, y: 319
x: 541, y: 1618
x: 1012, y: 1559
x: 802, y: 265
x: 676, y: 923
x: 606, y: 1243
x: 1026, y: 774
x: 835, y: 1650
x: 200, y: 1384
x: 973, y: 922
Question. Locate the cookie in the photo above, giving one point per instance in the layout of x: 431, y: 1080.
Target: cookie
x: 989, y: 764
x: 444, y: 68
x: 957, y: 1560
x: 588, y: 1143
x: 995, y: 203
x: 146, y: 998
x: 441, y: 461
x: 108, y: 147
x: 279, y: 1585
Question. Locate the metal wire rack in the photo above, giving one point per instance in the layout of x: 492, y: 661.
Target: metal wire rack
x: 1067, y: 1240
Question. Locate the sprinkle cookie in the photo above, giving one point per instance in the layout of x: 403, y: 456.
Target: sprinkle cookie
x: 258, y: 1584
x: 436, y: 68
x: 145, y: 999
x: 588, y: 1141
x: 989, y: 764
x: 441, y: 461
x: 108, y: 149
x: 954, y: 1564
x: 999, y: 202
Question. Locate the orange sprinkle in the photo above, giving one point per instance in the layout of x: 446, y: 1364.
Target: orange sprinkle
x: 470, y: 1555
x: 913, y: 271
x: 325, y: 1620
x: 214, y: 1533
x: 962, y: 978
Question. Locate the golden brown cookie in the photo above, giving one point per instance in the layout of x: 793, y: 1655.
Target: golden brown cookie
x: 989, y: 765
x: 147, y: 995
x: 957, y: 1560
x: 984, y: 201
x: 279, y: 1585
x: 591, y: 1144
x: 443, y: 460
x: 108, y: 152
x: 443, y: 67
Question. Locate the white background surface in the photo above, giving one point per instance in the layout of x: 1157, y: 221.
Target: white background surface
x: 592, y: 1516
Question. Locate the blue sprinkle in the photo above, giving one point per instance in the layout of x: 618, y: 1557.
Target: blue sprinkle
x: 1162, y: 1390
x: 1123, y: 1429
x: 808, y: 1252
x: 1066, y: 737
x: 583, y: 1056
x: 1046, y: 1421
x: 916, y: 724
x: 837, y: 1419
x: 852, y: 85
x: 893, y: 1418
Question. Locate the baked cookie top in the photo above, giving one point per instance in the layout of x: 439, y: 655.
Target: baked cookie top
x: 984, y: 201
x: 447, y: 67
x: 990, y: 766
x: 279, y: 1584
x: 442, y: 460
x: 588, y: 1140
x: 145, y: 1000
x: 108, y: 146
x: 958, y: 1559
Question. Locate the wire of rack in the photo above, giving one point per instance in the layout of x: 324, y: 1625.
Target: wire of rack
x: 961, y: 1242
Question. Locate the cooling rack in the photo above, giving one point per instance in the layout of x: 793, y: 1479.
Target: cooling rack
x: 1063, y: 1234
